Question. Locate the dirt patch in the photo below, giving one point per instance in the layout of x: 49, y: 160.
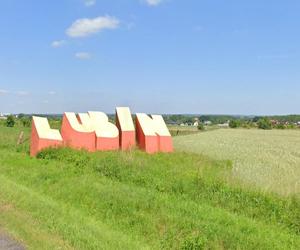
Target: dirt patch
x: 7, y: 243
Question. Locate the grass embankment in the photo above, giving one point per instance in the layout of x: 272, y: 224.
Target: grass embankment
x: 116, y: 200
x: 268, y: 159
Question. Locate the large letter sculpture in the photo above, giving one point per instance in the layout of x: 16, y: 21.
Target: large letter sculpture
x: 77, y: 132
x: 107, y: 134
x: 126, y: 127
x: 153, y: 134
x: 42, y: 136
x: 92, y: 131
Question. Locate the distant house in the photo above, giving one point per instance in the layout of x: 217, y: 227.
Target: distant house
x: 3, y: 116
x: 196, y: 124
x: 172, y: 123
x: 274, y: 122
x: 223, y: 125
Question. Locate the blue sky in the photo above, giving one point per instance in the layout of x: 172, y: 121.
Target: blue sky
x: 155, y: 56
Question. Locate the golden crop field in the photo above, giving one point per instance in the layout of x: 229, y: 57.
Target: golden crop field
x: 268, y: 159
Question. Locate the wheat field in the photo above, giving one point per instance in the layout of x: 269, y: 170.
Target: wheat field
x: 268, y: 159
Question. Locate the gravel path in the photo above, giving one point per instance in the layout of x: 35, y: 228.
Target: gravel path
x: 6, y: 243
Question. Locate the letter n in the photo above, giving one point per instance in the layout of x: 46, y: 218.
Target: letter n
x: 153, y: 134
x: 42, y: 136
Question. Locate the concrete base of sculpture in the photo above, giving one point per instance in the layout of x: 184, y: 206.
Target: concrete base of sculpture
x: 127, y: 140
x: 107, y: 144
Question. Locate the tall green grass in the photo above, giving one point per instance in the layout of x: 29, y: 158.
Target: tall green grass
x: 130, y: 200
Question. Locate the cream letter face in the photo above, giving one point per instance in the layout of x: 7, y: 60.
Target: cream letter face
x: 102, y: 126
x: 42, y: 136
x: 107, y: 133
x: 126, y: 127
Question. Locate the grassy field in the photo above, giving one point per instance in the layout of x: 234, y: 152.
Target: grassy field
x: 67, y: 199
x: 176, y: 130
x: 268, y: 159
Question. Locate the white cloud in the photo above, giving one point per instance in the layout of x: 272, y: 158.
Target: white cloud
x: 56, y: 44
x: 83, y: 55
x: 86, y: 27
x: 51, y: 92
x: 153, y: 2
x: 3, y: 92
x: 89, y: 3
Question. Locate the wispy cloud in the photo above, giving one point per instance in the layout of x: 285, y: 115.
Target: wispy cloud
x: 153, y: 2
x: 51, y: 92
x: 57, y: 44
x: 83, y: 55
x: 89, y: 3
x: 22, y: 93
x: 198, y: 28
x: 130, y: 25
x: 279, y: 56
x: 3, y: 92
x: 85, y: 27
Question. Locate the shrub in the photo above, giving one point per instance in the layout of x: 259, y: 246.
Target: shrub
x: 264, y: 123
x: 201, y: 126
x: 10, y: 122
x: 234, y: 124
x: 291, y: 126
x: 280, y: 126
x: 25, y: 121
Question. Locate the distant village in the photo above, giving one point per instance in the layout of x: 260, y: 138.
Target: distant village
x: 226, y: 124
x: 3, y: 116
x: 226, y: 121
x: 221, y: 121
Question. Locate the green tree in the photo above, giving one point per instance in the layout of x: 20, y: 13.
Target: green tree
x: 234, y: 124
x: 25, y: 121
x: 264, y: 123
x: 10, y: 122
x: 21, y: 115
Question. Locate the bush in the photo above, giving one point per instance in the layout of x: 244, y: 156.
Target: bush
x: 201, y: 126
x: 234, y: 124
x: 264, y: 123
x: 10, y: 122
x: 291, y: 126
x: 26, y: 122
x: 280, y: 126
